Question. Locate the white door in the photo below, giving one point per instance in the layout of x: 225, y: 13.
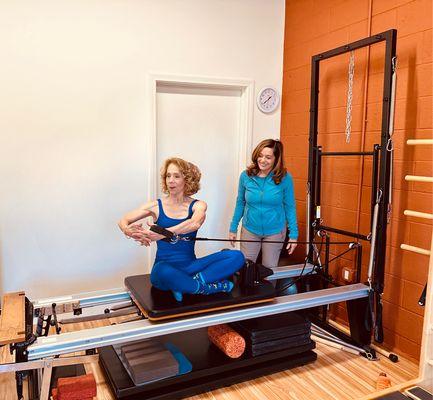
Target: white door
x: 202, y: 125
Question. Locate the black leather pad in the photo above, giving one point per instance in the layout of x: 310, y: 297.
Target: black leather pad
x: 273, y: 327
x: 159, y: 304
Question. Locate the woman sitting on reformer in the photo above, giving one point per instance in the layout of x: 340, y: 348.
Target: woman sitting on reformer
x: 176, y: 266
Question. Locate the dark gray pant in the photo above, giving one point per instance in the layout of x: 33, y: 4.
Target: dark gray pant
x: 270, y: 256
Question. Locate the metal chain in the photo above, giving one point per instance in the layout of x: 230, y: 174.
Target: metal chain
x: 350, y: 96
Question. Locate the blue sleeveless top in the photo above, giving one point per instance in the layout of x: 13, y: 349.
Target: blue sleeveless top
x: 180, y: 252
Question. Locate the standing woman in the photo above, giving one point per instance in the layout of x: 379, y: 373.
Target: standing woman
x: 176, y: 267
x: 266, y: 205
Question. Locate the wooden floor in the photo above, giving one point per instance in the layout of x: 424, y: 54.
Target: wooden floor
x: 335, y: 375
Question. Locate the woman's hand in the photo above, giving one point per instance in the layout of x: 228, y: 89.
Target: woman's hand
x: 291, y: 246
x: 138, y: 233
x: 153, y: 236
x: 232, y: 237
x: 133, y: 230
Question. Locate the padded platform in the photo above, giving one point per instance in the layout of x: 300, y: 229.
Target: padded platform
x: 158, y: 305
x: 292, y: 342
x: 211, y: 368
x: 274, y: 332
x: 273, y: 327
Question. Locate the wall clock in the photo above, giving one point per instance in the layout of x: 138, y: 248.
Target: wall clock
x: 268, y: 99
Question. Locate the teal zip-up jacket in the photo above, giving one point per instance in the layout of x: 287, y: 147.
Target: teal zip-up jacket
x: 265, y: 207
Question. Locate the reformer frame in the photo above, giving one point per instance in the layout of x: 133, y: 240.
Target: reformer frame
x: 41, y: 353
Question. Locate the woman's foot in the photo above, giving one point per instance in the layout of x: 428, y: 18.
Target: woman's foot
x: 178, y: 296
x: 199, y: 276
x: 223, y: 286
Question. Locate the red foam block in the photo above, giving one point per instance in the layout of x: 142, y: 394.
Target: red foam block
x: 76, y: 388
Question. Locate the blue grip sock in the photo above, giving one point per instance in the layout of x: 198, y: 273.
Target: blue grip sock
x: 178, y: 296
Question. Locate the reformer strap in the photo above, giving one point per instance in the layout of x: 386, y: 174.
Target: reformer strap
x: 169, y: 235
x: 174, y: 238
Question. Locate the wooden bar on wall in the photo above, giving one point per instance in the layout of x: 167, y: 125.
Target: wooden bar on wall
x: 411, y: 213
x: 419, y: 141
x: 416, y: 178
x: 415, y: 249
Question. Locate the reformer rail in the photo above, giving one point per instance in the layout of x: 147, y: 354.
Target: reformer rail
x: 92, y: 338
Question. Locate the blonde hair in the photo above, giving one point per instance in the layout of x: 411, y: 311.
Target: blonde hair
x: 278, y: 168
x: 189, y: 171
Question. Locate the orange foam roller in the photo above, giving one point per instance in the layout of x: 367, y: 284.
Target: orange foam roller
x: 227, y: 340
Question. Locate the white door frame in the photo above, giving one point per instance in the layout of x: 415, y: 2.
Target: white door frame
x: 245, y: 132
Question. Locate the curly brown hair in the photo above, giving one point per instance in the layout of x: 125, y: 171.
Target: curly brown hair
x: 278, y: 168
x: 190, y: 173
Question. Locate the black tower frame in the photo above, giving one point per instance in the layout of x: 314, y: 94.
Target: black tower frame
x: 381, y: 164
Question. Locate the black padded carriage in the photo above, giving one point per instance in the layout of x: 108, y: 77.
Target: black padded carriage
x: 157, y: 304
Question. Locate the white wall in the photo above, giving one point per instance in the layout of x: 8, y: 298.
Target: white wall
x: 73, y: 78
x: 202, y: 125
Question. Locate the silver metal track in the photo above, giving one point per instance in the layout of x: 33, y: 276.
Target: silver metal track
x: 88, y: 299
x: 112, y: 314
x: 109, y: 335
x: 291, y: 271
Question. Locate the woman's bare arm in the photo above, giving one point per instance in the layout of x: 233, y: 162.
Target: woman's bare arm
x: 195, y: 222
x: 126, y: 223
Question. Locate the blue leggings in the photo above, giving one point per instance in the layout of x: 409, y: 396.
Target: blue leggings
x: 213, y: 268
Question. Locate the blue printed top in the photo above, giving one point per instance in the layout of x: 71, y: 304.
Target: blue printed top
x: 265, y: 207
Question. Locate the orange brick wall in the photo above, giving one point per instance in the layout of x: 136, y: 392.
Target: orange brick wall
x: 314, y: 26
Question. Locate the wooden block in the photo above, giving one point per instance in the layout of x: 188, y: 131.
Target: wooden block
x: 12, y: 320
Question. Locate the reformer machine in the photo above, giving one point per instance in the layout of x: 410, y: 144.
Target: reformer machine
x: 36, y: 353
